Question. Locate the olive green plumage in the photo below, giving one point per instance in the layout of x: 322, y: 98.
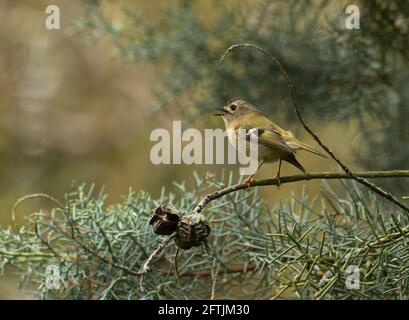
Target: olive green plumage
x: 274, y: 143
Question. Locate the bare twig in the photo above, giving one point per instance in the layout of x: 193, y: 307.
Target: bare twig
x: 176, y: 262
x: 31, y: 196
x: 145, y: 268
x: 155, y: 253
x: 27, y: 254
x: 300, y: 177
x: 291, y: 90
x: 214, y: 273
x: 107, y: 241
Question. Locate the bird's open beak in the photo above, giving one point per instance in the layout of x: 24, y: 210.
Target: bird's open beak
x: 224, y: 111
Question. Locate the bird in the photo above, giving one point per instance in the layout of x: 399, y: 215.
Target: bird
x: 274, y: 143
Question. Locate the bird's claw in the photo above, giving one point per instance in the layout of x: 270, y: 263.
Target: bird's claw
x: 278, y: 181
x: 247, y: 182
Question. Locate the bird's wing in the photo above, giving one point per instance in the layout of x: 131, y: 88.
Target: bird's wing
x: 290, y: 140
x: 270, y: 137
x: 296, y: 144
x: 267, y: 133
x: 274, y: 136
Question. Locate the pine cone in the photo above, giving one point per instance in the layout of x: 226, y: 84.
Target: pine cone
x: 192, y: 230
x: 165, y: 220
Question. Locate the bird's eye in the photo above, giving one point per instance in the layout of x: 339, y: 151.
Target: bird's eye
x: 233, y: 107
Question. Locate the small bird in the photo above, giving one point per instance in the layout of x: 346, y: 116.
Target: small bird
x: 274, y: 143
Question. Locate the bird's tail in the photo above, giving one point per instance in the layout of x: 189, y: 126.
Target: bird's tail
x: 290, y: 158
x: 303, y: 146
x: 306, y: 147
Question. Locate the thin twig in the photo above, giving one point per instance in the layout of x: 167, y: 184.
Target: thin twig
x: 214, y: 272
x: 107, y: 241
x: 27, y: 254
x: 291, y: 90
x: 145, y: 268
x: 176, y: 262
x: 300, y: 177
x: 31, y: 196
x: 44, y: 241
x: 155, y: 253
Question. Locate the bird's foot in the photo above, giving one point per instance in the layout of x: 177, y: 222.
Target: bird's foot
x: 278, y: 181
x: 247, y: 182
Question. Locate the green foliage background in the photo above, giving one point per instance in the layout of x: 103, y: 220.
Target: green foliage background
x: 284, y: 250
x: 280, y: 252
x: 338, y: 73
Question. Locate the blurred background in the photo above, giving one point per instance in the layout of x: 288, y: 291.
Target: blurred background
x: 79, y: 104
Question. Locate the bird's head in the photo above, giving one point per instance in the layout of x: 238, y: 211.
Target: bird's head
x: 236, y: 110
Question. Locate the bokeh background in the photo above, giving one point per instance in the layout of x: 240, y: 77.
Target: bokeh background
x: 79, y: 104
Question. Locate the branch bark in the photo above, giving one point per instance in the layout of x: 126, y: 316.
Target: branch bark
x: 299, y: 177
x: 146, y: 266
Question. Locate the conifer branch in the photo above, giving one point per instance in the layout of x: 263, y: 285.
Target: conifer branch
x: 300, y: 177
